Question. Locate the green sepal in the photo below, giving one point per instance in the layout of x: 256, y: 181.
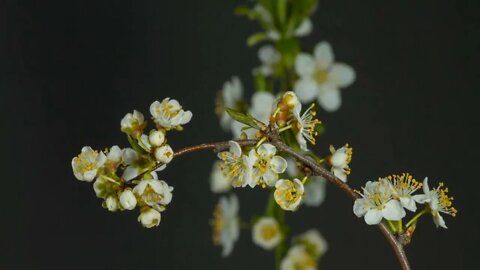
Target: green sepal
x: 256, y: 38
x: 134, y: 144
x: 246, y: 119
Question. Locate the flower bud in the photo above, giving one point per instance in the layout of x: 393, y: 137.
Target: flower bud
x: 164, y: 154
x: 149, y: 218
x: 156, y: 138
x: 128, y: 200
x: 111, y: 203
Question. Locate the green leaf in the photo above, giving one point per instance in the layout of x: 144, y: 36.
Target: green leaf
x: 246, y: 119
x: 243, y: 11
x: 134, y: 144
x: 281, y: 6
x: 256, y: 38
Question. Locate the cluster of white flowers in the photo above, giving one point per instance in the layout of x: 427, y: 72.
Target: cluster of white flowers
x: 260, y: 166
x: 226, y: 224
x: 388, y: 198
x: 305, y: 252
x: 126, y: 178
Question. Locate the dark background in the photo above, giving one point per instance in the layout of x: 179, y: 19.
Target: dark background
x: 70, y: 70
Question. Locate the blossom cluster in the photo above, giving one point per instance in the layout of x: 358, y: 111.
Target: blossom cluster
x: 127, y: 178
x: 388, y: 198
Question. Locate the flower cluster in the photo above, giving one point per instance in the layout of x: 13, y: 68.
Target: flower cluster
x: 127, y: 178
x: 305, y: 251
x: 388, y: 198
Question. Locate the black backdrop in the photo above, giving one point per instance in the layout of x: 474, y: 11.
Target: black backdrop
x: 70, y: 70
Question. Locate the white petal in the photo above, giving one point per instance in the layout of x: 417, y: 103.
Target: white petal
x: 340, y: 174
x: 439, y: 221
x: 421, y: 198
x: 315, y: 191
x: 262, y: 103
x: 301, y: 141
x: 393, y: 210
x: 306, y: 90
x: 329, y: 97
x: 323, y: 55
x: 130, y: 173
x: 115, y: 154
x: 373, y: 216
x: 304, y: 29
x: 304, y: 65
x: 186, y: 117
x: 279, y: 164
x: 266, y: 149
x: 342, y: 75
x: 130, y: 156
x: 408, y: 203
x: 235, y: 148
x: 360, y: 207
x: 270, y: 178
x: 425, y: 187
x: 268, y: 55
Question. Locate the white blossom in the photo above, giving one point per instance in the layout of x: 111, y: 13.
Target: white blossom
x: 288, y: 194
x: 169, y: 114
x: 164, y: 154
x: 156, y: 138
x: 236, y: 166
x: 127, y: 199
x: 111, y: 203
x: 403, y: 186
x: 226, y: 224
x: 321, y: 78
x: 230, y: 97
x: 133, y: 124
x: 219, y: 182
x: 298, y: 258
x: 136, y: 164
x: 154, y: 192
x: 149, y: 217
x: 304, y: 125
x: 377, y: 202
x: 265, y: 165
x: 339, y: 160
x: 262, y: 106
x: 269, y: 58
x: 314, y: 241
x: 266, y: 233
x: 315, y: 191
x: 86, y: 165
x: 438, y: 201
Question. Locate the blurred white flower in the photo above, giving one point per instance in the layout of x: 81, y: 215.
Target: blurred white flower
x: 377, y: 202
x: 169, y: 114
x: 236, y: 166
x: 292, y: 168
x: 266, y: 233
x: 111, y: 203
x: 133, y: 124
x: 315, y: 190
x: 86, y: 165
x: 339, y: 160
x: 226, y: 224
x: 288, y: 194
x: 321, y: 78
x: 265, y: 165
x: 314, y: 242
x: 403, y: 186
x: 298, y: 258
x: 438, y: 202
x: 127, y: 199
x: 270, y: 60
x: 219, y: 182
x: 149, y: 217
x: 230, y: 97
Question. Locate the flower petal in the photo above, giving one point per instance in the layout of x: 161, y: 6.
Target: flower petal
x: 361, y: 207
x: 329, y: 97
x: 342, y: 75
x: 304, y: 65
x: 305, y: 28
x: 266, y: 149
x: 235, y: 148
x: 323, y: 55
x: 279, y: 164
x: 393, y: 210
x: 439, y: 221
x: 306, y: 90
x: 408, y: 203
x: 373, y: 216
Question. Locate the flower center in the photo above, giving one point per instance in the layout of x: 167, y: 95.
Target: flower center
x: 217, y: 224
x: 269, y: 232
x: 445, y: 201
x: 321, y: 76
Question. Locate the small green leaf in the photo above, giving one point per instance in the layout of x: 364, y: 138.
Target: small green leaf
x: 245, y: 118
x: 256, y: 38
x: 281, y: 10
x: 134, y: 144
x: 243, y: 11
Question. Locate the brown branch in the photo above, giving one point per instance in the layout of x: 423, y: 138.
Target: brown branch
x: 275, y: 139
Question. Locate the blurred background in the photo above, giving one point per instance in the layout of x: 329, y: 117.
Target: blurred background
x: 70, y: 70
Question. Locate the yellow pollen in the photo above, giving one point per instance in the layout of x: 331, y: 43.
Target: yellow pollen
x: 217, y: 224
x: 269, y: 232
x: 445, y: 200
x: 321, y: 76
